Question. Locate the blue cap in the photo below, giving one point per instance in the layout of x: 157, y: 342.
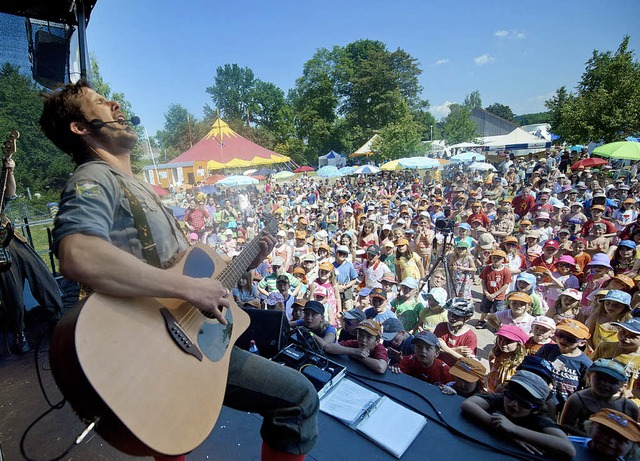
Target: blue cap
x: 628, y: 243
x: 619, y: 297
x: 610, y: 367
x: 464, y: 225
x: 364, y: 292
x: 315, y: 306
x: 632, y: 325
x: 427, y: 337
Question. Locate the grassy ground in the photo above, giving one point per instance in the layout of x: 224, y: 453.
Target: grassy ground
x: 40, y: 239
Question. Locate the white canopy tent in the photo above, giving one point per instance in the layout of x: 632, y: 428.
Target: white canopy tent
x: 519, y: 142
x: 332, y: 158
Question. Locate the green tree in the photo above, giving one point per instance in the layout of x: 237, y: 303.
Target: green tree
x: 175, y: 138
x: 232, y: 91
x: 457, y: 126
x: 606, y: 105
x: 39, y: 164
x: 501, y: 111
x: 399, y: 138
x: 533, y: 118
x: 271, y: 111
x: 473, y: 100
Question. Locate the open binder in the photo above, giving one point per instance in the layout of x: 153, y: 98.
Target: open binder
x: 380, y: 419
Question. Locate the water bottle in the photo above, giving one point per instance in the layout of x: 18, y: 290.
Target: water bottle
x: 253, y: 348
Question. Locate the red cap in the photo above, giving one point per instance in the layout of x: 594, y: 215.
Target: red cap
x: 551, y: 243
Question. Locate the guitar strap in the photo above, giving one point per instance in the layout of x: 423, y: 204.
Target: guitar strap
x: 149, y: 249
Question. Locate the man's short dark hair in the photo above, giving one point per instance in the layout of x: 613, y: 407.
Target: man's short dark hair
x: 61, y: 108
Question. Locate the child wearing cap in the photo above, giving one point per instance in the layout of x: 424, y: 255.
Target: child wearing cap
x: 506, y: 354
x: 569, y: 363
x: 542, y: 330
x: 624, y: 259
x: 597, y: 242
x: 567, y: 306
x: 561, y: 278
x: 424, y: 364
x: 495, y: 282
x: 612, y: 435
x: 457, y: 340
x: 408, y: 263
x: 366, y: 348
x: 350, y: 321
x: 581, y: 257
x: 380, y: 309
x: 519, y: 414
x: 406, y: 304
x: 517, y: 313
x: 388, y: 282
x: 614, y: 308
x: 297, y: 309
x: 314, y: 320
x: 434, y: 312
x: 275, y: 301
x: 625, y: 350
x: 462, y: 268
x: 607, y: 380
x: 599, y: 268
x: 468, y: 375
x: 397, y: 340
x: 327, y: 280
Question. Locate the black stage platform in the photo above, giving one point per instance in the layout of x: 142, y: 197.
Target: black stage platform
x: 237, y: 434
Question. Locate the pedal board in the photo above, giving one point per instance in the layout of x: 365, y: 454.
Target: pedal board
x: 321, y: 371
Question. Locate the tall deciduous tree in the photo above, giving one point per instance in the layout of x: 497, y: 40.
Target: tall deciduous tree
x: 180, y: 129
x: 473, y: 100
x: 399, y: 138
x: 457, y: 126
x: 606, y: 105
x: 39, y: 164
x: 501, y: 111
x: 232, y: 91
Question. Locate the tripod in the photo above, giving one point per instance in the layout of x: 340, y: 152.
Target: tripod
x: 444, y: 260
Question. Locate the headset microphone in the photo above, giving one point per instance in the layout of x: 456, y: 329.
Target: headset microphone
x: 96, y: 124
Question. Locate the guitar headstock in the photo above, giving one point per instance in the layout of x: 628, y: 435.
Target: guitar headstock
x: 9, y: 147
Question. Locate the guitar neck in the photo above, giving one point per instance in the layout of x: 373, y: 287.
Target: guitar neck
x: 231, y: 274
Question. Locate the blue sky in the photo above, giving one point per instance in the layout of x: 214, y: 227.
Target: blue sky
x: 517, y: 53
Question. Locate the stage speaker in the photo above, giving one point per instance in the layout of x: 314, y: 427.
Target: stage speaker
x: 50, y: 59
x: 269, y: 329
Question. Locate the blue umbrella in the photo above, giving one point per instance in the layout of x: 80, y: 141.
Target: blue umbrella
x: 467, y: 157
x: 576, y: 148
x: 208, y: 189
x: 329, y: 171
x: 632, y: 139
x: 237, y: 180
x: 421, y: 163
x: 366, y: 169
x: 346, y: 170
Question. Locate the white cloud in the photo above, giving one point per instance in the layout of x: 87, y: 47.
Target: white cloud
x: 483, y: 59
x: 440, y: 62
x: 509, y: 34
x: 441, y: 111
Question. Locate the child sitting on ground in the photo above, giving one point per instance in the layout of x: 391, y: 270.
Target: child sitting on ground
x: 398, y: 342
x: 434, y: 313
x: 607, y: 378
x: 507, y: 353
x: 424, y: 364
x: 518, y: 413
x: 457, y: 340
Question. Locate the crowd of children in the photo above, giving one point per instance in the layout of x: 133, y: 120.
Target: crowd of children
x: 554, y: 268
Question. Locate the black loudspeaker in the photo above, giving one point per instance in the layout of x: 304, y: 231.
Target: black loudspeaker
x: 50, y: 59
x: 269, y: 329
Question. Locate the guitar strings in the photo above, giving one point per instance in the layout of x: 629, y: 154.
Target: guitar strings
x: 228, y: 274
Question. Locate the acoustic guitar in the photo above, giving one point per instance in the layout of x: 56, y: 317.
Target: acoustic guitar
x: 152, y: 372
x: 6, y: 228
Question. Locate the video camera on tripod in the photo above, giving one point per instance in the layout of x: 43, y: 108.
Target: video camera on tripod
x: 444, y: 223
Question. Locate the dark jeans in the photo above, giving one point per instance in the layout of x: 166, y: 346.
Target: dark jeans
x: 26, y: 265
x: 287, y: 401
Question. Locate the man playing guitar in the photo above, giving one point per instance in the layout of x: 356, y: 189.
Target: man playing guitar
x: 98, y: 244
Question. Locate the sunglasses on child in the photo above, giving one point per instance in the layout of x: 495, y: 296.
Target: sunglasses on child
x: 522, y: 403
x: 568, y: 338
